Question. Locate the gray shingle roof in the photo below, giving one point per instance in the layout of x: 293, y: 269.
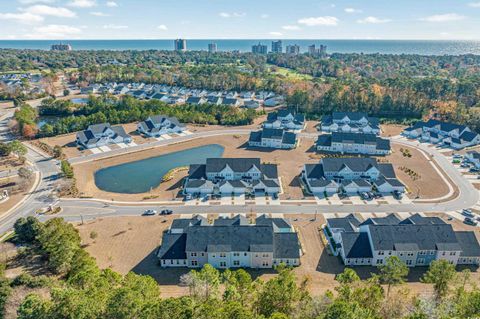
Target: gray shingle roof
x: 356, y: 164
x: 356, y: 245
x: 241, y: 165
x: 469, y: 243
x: 426, y: 237
x: 348, y: 223
x: 286, y: 245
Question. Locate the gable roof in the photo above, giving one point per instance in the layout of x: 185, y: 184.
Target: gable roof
x: 356, y: 245
x: 240, y: 165
x: 356, y: 164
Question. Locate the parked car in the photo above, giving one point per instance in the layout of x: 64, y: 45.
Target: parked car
x: 188, y: 197
x: 470, y: 221
x: 464, y: 165
x: 365, y: 196
x: 457, y: 156
x: 474, y: 170
x: 166, y: 212
x: 149, y: 212
x: 275, y: 196
x: 456, y: 161
x: 377, y: 195
x: 342, y: 195
x: 468, y: 213
x: 205, y: 198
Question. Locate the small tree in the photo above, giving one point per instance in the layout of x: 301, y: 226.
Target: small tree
x: 57, y: 151
x: 393, y: 272
x: 17, y: 148
x: 93, y: 235
x: 440, y: 274
x: 25, y: 173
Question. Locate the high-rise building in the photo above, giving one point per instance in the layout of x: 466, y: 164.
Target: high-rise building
x: 212, y: 47
x: 260, y: 48
x: 293, y: 49
x: 320, y: 51
x: 180, y: 45
x: 61, y: 47
x: 277, y: 46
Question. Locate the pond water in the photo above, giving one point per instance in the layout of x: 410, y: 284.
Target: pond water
x: 79, y: 101
x: 143, y: 175
x: 46, y: 119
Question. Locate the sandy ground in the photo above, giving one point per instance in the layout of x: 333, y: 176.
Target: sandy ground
x: 290, y: 164
x: 130, y: 243
x: 389, y: 130
x: 419, y: 164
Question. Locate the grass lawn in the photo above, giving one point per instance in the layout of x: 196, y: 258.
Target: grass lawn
x: 289, y: 73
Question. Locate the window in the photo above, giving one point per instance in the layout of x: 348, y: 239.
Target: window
x: 245, y: 254
x: 178, y: 262
x: 193, y: 254
x: 194, y: 263
x: 236, y: 254
x: 452, y: 253
x: 223, y: 255
x: 409, y: 262
x: 379, y: 261
x: 381, y: 253
x: 163, y: 262
x: 236, y: 262
x: 223, y: 264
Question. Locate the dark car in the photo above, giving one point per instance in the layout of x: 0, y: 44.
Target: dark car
x: 166, y: 212
x: 470, y: 221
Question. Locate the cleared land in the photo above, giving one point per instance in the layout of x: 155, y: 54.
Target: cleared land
x: 129, y: 244
x: 16, y: 187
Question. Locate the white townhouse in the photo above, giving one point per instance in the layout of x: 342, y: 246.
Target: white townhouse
x: 353, y: 143
x: 226, y: 176
x: 230, y: 243
x: 102, y: 134
x: 273, y: 138
x: 350, y: 122
x: 417, y: 241
x: 443, y: 133
x: 157, y: 125
x: 351, y: 175
x: 285, y: 119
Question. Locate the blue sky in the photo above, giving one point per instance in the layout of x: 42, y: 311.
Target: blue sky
x: 241, y: 19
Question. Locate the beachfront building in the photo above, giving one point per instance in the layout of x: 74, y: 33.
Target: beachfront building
x: 285, y: 119
x: 416, y: 240
x: 353, y: 143
x: 227, y: 176
x: 98, y: 135
x: 157, y: 125
x: 350, y: 122
x: 273, y: 138
x: 351, y: 175
x: 447, y: 134
x: 230, y: 243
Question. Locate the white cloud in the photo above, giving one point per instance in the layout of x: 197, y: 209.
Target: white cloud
x: 232, y: 15
x: 115, y: 26
x: 265, y: 16
x: 448, y: 17
x: 319, y: 21
x: 112, y: 4
x: 276, y: 34
x: 83, y: 3
x: 352, y: 10
x: 53, y: 31
x: 373, y: 20
x: 25, y: 17
x: 291, y: 27
x: 474, y: 4
x: 99, y: 14
x: 162, y: 27
x: 44, y: 10
x: 35, y: 1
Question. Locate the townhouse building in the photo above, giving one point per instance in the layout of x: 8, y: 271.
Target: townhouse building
x: 285, y: 119
x: 417, y: 241
x: 351, y: 175
x: 226, y: 176
x: 350, y: 122
x: 97, y: 135
x: 353, y: 143
x: 157, y: 125
x: 229, y: 243
x: 473, y: 157
x: 451, y: 135
x: 273, y: 138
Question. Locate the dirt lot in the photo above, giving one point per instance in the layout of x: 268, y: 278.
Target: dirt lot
x: 290, y: 165
x: 420, y: 185
x: 388, y: 130
x: 129, y: 243
x: 10, y: 184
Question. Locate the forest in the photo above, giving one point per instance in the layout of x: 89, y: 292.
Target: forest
x: 396, y: 88
x: 101, y: 109
x: 73, y: 286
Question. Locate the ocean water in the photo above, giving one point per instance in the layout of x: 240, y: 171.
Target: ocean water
x: 423, y: 47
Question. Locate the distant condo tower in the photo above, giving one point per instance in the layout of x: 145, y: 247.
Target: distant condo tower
x: 277, y: 46
x: 212, y: 47
x: 180, y: 45
x: 61, y: 47
x: 320, y: 51
x: 293, y: 49
x: 260, y: 48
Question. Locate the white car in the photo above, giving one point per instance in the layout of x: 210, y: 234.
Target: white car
x: 149, y: 212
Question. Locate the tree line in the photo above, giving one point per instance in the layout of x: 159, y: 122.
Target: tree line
x: 79, y: 289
